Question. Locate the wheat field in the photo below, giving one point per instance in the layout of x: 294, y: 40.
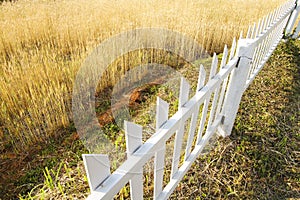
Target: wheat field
x: 43, y: 44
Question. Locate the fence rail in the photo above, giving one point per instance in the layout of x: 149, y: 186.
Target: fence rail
x: 212, y: 110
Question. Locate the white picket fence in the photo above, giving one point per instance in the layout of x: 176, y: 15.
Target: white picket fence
x: 217, y: 101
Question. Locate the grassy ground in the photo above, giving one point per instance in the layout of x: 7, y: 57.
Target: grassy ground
x: 260, y: 160
x: 41, y: 51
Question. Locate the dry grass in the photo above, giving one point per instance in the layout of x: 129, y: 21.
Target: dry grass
x: 43, y: 43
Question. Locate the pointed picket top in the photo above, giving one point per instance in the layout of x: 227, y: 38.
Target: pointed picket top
x: 201, y: 78
x: 253, y: 31
x: 269, y: 18
x: 184, y: 92
x: 278, y: 12
x: 272, y: 18
x: 214, y: 66
x: 133, y: 136
x: 162, y: 112
x: 262, y: 25
x: 282, y: 9
x: 264, y: 22
x: 296, y: 33
x: 97, y: 168
x: 248, y: 33
x: 224, y: 57
x: 233, y: 49
x: 241, y: 35
x: 258, y: 28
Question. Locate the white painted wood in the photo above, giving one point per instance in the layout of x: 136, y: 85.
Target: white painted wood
x: 97, y: 168
x: 241, y: 35
x: 292, y: 20
x: 224, y: 57
x: 213, y: 70
x: 233, y: 49
x: 262, y: 25
x: 258, y: 28
x: 133, y: 135
x: 212, y: 112
x: 267, y: 21
x: 214, y: 66
x: 276, y: 14
x: 201, y: 78
x: 191, y: 134
x: 184, y: 93
x: 162, y: 113
x: 183, y: 98
x: 201, y: 81
x: 177, y: 148
x: 275, y: 25
x: 203, y: 120
x: 248, y: 33
x: 224, y: 84
x: 271, y: 19
x: 297, y: 31
x: 237, y: 84
x: 253, y: 31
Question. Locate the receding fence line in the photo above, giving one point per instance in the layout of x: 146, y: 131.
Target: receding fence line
x: 224, y: 89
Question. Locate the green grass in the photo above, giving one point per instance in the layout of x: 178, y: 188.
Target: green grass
x: 260, y: 160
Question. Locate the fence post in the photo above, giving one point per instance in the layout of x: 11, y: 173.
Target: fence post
x: 292, y: 19
x: 296, y: 33
x: 237, y: 85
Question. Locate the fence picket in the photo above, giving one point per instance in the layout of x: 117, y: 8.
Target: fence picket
x: 133, y: 135
x: 224, y: 84
x: 216, y: 92
x: 201, y: 78
x: 97, y: 168
x: 200, y: 84
x: 248, y: 33
x: 262, y: 26
x: 241, y: 35
x: 297, y: 31
x: 233, y: 48
x: 253, y: 31
x: 257, y: 29
x: 191, y: 133
x: 183, y: 98
x: 184, y: 93
x: 202, y: 121
x: 214, y: 66
x: 162, y: 112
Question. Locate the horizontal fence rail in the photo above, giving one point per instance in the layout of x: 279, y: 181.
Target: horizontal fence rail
x: 212, y: 110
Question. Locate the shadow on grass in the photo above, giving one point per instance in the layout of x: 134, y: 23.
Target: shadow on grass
x: 268, y: 123
x: 260, y: 160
